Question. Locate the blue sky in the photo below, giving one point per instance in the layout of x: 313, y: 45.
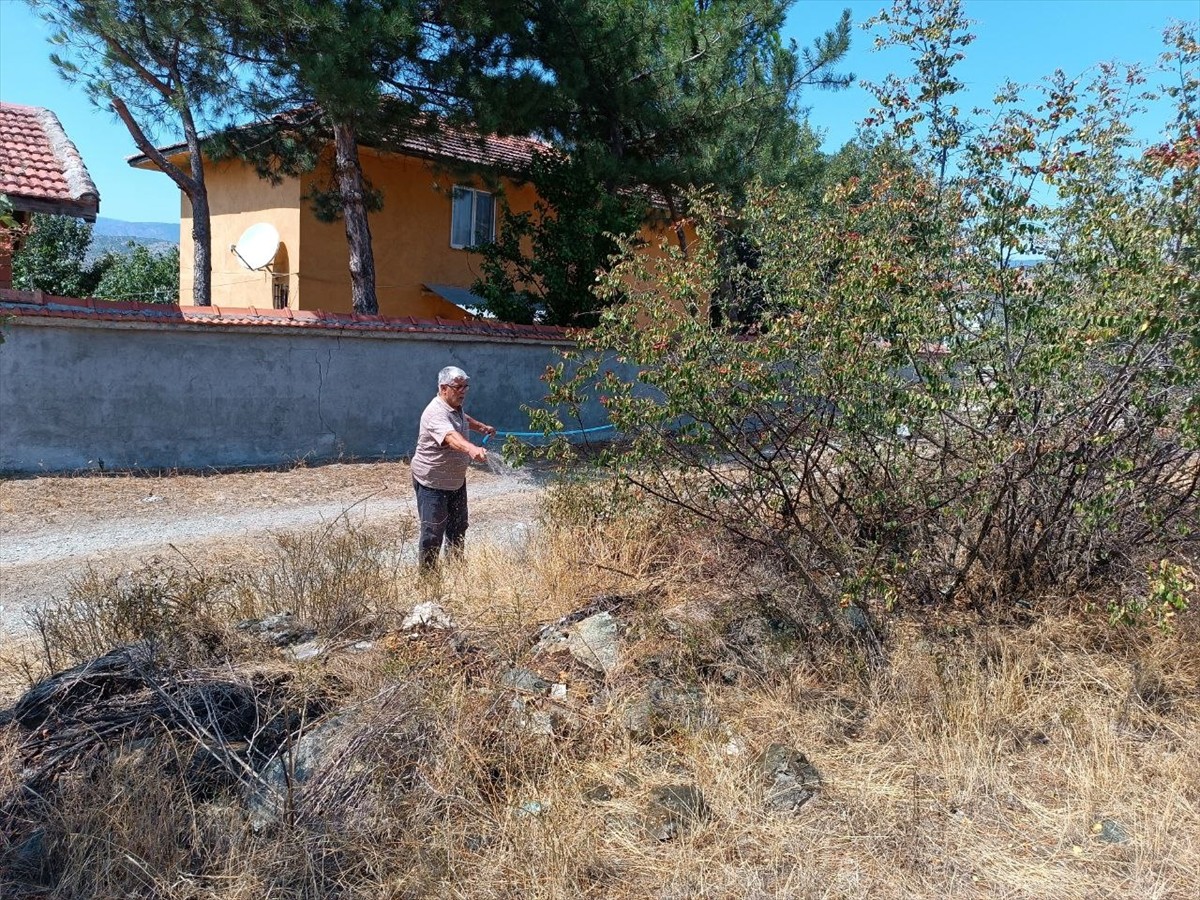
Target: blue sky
x: 1018, y: 40
x: 1022, y: 40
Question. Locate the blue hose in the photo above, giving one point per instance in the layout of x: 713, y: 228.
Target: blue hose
x: 538, y: 434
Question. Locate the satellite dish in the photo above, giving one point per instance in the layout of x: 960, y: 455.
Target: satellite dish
x: 257, y: 246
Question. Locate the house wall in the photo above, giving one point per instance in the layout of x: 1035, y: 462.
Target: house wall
x: 78, y: 394
x: 237, y: 199
x: 410, y: 236
x: 6, y: 254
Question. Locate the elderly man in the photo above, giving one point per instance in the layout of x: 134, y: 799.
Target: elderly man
x: 439, y: 466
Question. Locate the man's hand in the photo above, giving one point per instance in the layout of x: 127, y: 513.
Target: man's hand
x: 456, y: 441
x: 489, y: 430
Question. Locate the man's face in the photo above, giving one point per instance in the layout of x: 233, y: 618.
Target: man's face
x: 454, y: 393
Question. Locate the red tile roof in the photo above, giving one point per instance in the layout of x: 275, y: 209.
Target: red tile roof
x: 510, y: 154
x: 40, y: 169
x: 37, y: 305
x: 445, y: 142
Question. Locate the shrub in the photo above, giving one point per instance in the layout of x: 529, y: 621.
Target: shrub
x: 915, y: 416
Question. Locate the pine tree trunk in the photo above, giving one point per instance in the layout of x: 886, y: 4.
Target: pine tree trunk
x: 197, y: 193
x: 202, y: 246
x: 354, y: 211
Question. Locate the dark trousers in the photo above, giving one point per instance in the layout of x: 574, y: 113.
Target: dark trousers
x: 443, y: 515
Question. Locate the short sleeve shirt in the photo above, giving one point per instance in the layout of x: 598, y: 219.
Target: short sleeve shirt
x: 434, y: 464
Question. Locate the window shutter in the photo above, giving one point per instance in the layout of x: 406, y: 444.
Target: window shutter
x: 460, y: 218
x: 485, y: 218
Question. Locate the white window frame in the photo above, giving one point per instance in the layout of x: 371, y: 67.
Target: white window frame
x: 458, y: 190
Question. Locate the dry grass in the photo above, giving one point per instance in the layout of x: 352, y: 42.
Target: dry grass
x: 981, y: 760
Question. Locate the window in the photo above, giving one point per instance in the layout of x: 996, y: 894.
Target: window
x: 472, y: 218
x: 279, y: 292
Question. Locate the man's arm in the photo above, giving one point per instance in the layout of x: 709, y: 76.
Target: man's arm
x: 456, y: 441
x: 476, y: 425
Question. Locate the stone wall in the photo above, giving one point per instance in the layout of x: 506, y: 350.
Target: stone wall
x: 79, y: 393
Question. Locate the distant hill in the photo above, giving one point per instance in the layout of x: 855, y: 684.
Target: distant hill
x: 141, y: 232
x: 114, y: 236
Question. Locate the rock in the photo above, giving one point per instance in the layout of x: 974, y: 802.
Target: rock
x: 594, y: 641
x: 558, y: 692
x: 1111, y: 832
x: 28, y: 858
x: 674, y: 808
x: 597, y: 792
x: 288, y: 773
x: 428, y: 616
x: 361, y: 646
x: 735, y: 746
x: 279, y: 630
x: 665, y: 708
x: 790, y: 780
x: 306, y: 651
x: 532, y: 808
x: 525, y: 681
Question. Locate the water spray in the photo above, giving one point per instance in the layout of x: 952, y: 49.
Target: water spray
x: 496, y: 464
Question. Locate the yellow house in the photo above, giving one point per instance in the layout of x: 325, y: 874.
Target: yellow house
x: 439, y: 199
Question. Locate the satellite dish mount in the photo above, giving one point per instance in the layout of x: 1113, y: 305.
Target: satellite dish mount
x: 257, y: 246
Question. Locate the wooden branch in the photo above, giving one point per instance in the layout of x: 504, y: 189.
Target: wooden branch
x: 142, y: 72
x: 181, y: 178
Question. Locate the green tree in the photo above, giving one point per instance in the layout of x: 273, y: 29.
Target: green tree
x: 352, y: 71
x: 644, y: 100
x: 53, y: 258
x: 153, y: 62
x: 669, y: 95
x: 916, y: 419
x: 141, y: 276
x: 544, y: 262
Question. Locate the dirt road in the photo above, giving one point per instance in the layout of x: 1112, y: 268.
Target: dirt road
x: 53, y: 529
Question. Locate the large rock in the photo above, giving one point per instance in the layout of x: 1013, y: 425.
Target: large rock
x: 525, y: 681
x: 674, y: 808
x: 286, y: 775
x: 789, y: 779
x: 595, y: 641
x: 428, y: 616
x: 279, y: 630
x: 666, y: 708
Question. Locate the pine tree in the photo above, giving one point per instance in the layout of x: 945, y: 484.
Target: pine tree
x: 345, y: 71
x: 153, y: 62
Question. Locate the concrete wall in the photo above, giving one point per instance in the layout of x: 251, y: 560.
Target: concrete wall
x: 75, y: 393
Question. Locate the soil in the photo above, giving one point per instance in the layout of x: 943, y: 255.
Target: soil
x: 53, y: 529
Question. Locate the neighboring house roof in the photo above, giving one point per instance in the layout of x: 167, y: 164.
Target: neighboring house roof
x: 40, y: 169
x: 445, y: 142
x: 37, y: 305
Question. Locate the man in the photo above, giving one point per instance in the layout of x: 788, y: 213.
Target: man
x: 439, y: 466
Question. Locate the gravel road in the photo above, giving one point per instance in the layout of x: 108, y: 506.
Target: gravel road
x: 52, y: 530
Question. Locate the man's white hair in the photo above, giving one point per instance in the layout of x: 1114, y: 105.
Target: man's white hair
x: 450, y: 374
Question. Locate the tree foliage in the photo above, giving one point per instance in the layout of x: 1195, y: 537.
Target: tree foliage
x: 914, y: 418
x: 53, y: 258
x: 141, y: 275
x: 544, y: 262
x: 346, y: 71
x: 644, y: 100
x: 153, y: 63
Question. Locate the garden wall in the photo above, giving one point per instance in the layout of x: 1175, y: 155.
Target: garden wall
x: 89, y: 384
